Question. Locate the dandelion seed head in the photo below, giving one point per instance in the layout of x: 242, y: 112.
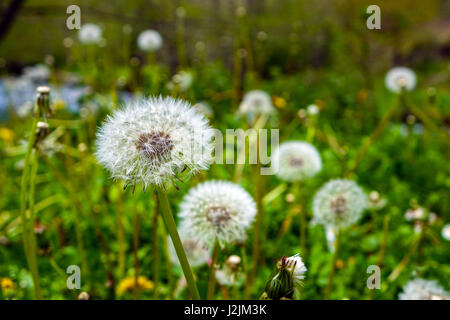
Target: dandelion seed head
x: 312, y: 109
x: 296, y: 160
x: 217, y: 210
x: 149, y: 40
x: 339, y: 203
x: 152, y: 141
x: 399, y: 78
x: 446, y: 232
x: 421, y: 289
x: 90, y: 33
x: 256, y: 102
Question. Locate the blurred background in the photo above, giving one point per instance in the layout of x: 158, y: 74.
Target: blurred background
x: 214, y: 51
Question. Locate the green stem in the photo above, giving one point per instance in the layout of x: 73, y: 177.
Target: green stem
x: 120, y: 233
x: 212, y: 272
x: 386, y: 220
x: 32, y: 220
x: 333, y: 266
x: 169, y: 265
x: 155, y: 248
x: 23, y: 204
x: 167, y: 216
x: 136, y: 222
x: 373, y: 137
x: 257, y: 230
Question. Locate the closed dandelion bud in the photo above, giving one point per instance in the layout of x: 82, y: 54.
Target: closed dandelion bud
x: 233, y: 262
x: 43, y: 101
x: 287, y: 279
x: 42, y: 131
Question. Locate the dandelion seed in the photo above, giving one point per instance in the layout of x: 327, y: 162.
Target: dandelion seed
x: 421, y: 289
x: 90, y: 33
x: 339, y: 203
x: 255, y: 103
x: 400, y: 78
x: 296, y: 160
x: 152, y: 141
x: 149, y: 40
x: 217, y: 210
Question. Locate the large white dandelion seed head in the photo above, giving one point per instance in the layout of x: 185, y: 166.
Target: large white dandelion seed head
x: 217, y: 210
x: 421, y: 289
x: 90, y: 33
x: 197, y: 254
x: 256, y: 102
x: 153, y: 141
x: 339, y: 203
x: 399, y: 78
x: 296, y: 160
x: 149, y: 40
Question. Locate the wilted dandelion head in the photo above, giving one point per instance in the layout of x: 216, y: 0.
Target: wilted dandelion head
x: 339, y: 203
x: 153, y: 141
x: 400, y: 78
x: 149, y: 40
x: 446, y: 232
x: 90, y: 33
x: 197, y: 254
x: 296, y: 160
x: 217, y: 210
x: 421, y: 289
x: 256, y: 102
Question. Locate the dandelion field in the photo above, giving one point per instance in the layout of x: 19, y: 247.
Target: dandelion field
x: 113, y: 186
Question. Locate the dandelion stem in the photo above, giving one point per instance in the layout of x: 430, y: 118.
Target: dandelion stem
x: 373, y: 137
x: 171, y: 227
x: 386, y: 220
x: 32, y: 235
x: 257, y: 230
x: 212, y: 272
x: 333, y: 266
x: 136, y: 222
x: 155, y: 248
x: 170, y: 278
x: 120, y: 232
x: 23, y: 206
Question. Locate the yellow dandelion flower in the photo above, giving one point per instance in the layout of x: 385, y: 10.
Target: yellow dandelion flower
x: 128, y: 284
x: 6, y: 134
x: 7, y: 285
x: 279, y: 102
